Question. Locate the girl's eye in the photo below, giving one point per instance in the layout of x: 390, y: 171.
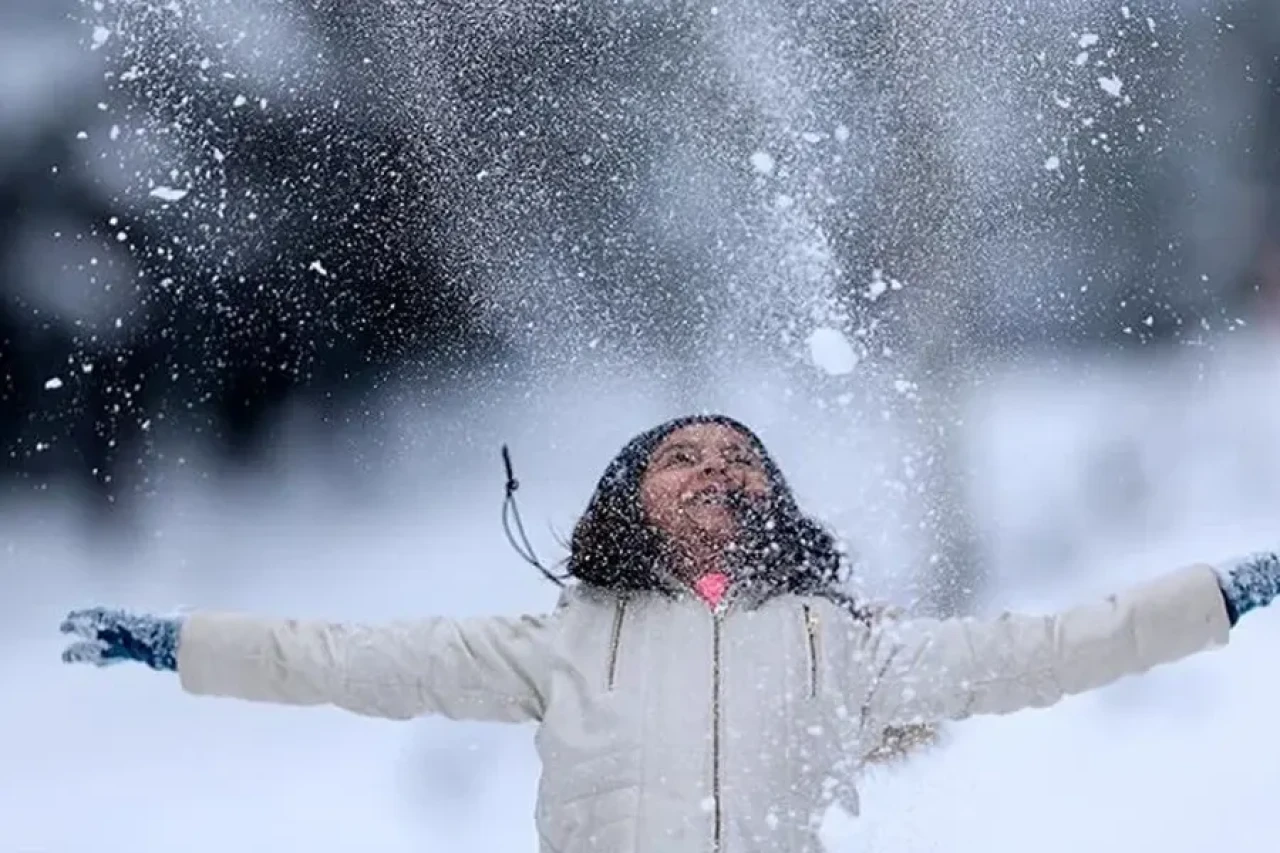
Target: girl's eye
x: 679, y: 457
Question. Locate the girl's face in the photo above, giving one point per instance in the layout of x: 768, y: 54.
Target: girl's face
x: 686, y: 488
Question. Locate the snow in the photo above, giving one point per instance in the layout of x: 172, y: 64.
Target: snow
x: 1088, y: 40
x: 762, y: 162
x: 830, y: 352
x: 1110, y: 85
x: 52, y: 384
x: 1052, y: 164
x: 99, y: 37
x: 169, y: 193
x: 880, y: 285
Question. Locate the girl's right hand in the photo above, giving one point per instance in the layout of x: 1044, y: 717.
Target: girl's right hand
x: 111, y: 636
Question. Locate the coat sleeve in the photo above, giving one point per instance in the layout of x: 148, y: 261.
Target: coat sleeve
x: 925, y: 670
x: 490, y: 669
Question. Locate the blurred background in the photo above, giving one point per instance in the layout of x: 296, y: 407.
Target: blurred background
x: 998, y: 283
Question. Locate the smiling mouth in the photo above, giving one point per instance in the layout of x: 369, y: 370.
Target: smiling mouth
x: 710, y: 496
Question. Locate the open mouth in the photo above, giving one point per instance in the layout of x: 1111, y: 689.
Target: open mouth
x: 714, y: 495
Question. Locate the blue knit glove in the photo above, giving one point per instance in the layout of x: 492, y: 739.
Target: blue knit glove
x: 1249, y: 582
x: 112, y: 636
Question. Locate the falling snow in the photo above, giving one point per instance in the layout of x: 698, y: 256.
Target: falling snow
x: 880, y: 285
x: 762, y: 162
x: 830, y: 352
x: 1110, y: 85
x: 169, y: 193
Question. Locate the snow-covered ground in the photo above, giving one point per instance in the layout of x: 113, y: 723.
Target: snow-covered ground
x: 1087, y: 476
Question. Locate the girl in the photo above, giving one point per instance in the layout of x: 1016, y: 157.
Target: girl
x: 704, y: 684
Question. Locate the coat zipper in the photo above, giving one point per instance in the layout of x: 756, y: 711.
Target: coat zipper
x: 811, y: 628
x: 718, y: 828
x: 812, y: 633
x: 615, y: 641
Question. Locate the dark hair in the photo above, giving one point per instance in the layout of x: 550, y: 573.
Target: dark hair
x: 615, y: 547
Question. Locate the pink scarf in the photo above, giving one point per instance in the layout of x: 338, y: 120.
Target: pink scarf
x: 711, y: 588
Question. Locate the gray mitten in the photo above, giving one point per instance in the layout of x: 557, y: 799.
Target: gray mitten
x: 112, y: 636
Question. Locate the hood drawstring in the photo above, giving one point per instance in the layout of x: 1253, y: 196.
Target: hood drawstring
x: 509, y: 512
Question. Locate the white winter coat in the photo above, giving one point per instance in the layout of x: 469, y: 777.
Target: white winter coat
x: 665, y: 728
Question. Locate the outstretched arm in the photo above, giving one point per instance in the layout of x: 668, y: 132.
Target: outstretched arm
x: 931, y: 670
x: 480, y: 669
